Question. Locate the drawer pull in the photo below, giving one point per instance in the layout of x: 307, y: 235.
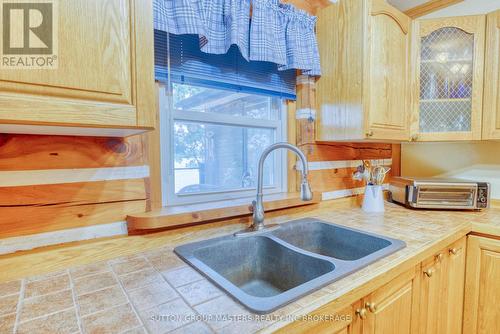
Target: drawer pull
x: 361, y: 313
x: 454, y: 251
x: 371, y: 307
x: 429, y: 272
x: 439, y: 257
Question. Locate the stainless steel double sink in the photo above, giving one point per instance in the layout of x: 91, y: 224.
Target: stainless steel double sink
x: 268, y: 270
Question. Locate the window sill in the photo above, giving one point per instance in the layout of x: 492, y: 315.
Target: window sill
x: 202, y: 212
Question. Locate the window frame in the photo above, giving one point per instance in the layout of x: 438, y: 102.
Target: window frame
x: 167, y: 116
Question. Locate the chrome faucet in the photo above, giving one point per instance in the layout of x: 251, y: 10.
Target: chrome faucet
x: 258, y: 205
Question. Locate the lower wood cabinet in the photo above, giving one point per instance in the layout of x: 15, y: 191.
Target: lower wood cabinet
x: 482, y: 293
x: 427, y: 299
x: 328, y: 320
x: 442, y: 290
x: 392, y: 308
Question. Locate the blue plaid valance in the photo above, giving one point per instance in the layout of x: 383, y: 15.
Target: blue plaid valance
x: 277, y: 33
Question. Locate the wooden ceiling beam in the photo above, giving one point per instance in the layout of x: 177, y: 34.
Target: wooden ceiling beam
x: 430, y: 7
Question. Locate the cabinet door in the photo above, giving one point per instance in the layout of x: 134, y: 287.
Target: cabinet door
x: 327, y: 321
x: 456, y: 256
x: 491, y: 114
x: 442, y: 288
x: 482, y: 295
x: 388, y: 77
x: 104, y: 74
x: 449, y: 59
x: 394, y: 307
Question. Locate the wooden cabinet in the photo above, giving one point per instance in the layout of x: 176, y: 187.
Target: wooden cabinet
x: 427, y: 299
x: 482, y: 295
x: 363, y: 93
x: 448, y: 59
x: 392, y: 308
x: 104, y: 76
x: 442, y: 290
x: 491, y: 113
x: 327, y: 320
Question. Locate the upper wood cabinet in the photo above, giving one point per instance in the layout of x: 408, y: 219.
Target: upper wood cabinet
x: 104, y: 81
x: 448, y: 58
x: 363, y: 93
x: 482, y: 295
x: 491, y: 114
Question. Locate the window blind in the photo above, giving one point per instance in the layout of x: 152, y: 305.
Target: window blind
x: 227, y: 71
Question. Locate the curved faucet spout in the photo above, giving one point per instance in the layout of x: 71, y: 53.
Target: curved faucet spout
x: 305, y: 189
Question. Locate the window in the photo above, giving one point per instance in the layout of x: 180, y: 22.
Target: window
x: 216, y: 137
x: 219, y: 113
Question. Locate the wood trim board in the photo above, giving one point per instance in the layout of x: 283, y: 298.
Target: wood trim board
x: 430, y: 7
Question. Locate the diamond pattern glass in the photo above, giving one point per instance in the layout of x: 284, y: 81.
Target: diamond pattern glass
x: 446, y: 76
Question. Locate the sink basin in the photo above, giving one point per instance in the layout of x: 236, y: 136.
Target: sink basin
x: 268, y: 270
x: 260, y: 266
x: 331, y: 240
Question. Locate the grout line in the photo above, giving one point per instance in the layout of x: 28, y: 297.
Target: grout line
x: 183, y: 285
x: 19, y: 306
x: 97, y: 290
x: 46, y: 315
x: 10, y: 295
x: 88, y: 275
x: 183, y: 299
x: 126, y: 294
x: 46, y: 277
x: 131, y: 329
x: 77, y: 306
x: 135, y: 272
x: 49, y: 293
x: 104, y: 309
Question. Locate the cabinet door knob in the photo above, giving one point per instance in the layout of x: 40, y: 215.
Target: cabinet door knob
x: 371, y: 307
x: 361, y: 313
x: 454, y: 251
x: 414, y: 137
x: 429, y: 272
x: 369, y: 133
x: 439, y: 257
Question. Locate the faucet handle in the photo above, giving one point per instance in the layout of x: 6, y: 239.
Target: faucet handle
x: 252, y: 206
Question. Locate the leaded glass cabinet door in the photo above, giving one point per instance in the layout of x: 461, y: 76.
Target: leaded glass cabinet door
x: 449, y: 88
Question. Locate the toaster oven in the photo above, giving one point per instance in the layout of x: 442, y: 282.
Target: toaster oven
x: 436, y: 193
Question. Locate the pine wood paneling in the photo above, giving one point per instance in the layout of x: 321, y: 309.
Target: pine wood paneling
x: 333, y: 179
x: 396, y: 160
x: 349, y: 151
x: 30, y: 152
x: 17, y: 221
x: 72, y: 193
x: 92, y: 185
